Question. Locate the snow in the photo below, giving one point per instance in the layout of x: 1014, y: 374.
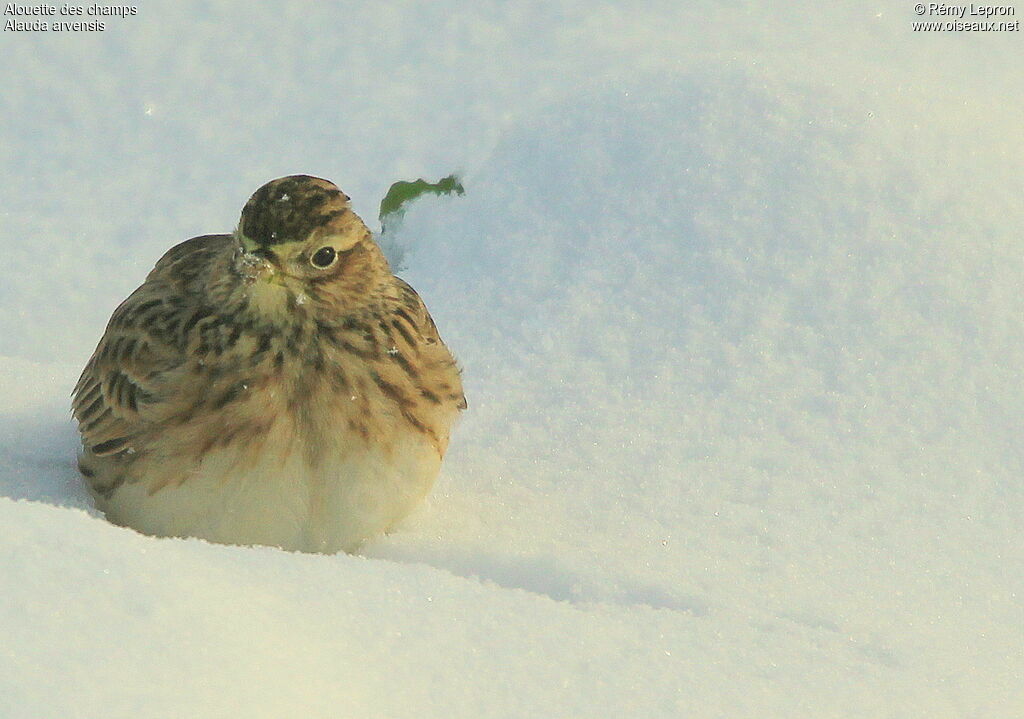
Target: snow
x: 737, y: 294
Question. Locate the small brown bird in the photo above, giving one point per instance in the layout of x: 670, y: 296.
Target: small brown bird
x: 275, y: 386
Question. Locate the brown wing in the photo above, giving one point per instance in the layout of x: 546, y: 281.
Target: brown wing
x: 439, y: 358
x: 125, y: 381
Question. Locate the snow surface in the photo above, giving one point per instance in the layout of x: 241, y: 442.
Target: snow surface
x: 737, y: 289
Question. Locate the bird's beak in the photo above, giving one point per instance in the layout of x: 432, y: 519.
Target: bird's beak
x: 267, y: 256
x: 257, y: 264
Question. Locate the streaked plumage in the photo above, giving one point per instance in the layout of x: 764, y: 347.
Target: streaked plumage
x: 247, y: 395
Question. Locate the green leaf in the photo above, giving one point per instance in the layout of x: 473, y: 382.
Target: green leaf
x: 395, y: 203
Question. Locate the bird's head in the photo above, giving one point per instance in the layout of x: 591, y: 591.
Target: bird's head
x: 299, y: 239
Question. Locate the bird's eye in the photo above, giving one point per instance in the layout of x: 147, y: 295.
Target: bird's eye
x: 324, y: 257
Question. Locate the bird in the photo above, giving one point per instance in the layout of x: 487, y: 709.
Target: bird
x: 275, y: 386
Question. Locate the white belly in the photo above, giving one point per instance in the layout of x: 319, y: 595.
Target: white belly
x: 278, y: 499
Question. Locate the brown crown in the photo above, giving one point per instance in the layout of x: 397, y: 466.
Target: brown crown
x: 289, y: 209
